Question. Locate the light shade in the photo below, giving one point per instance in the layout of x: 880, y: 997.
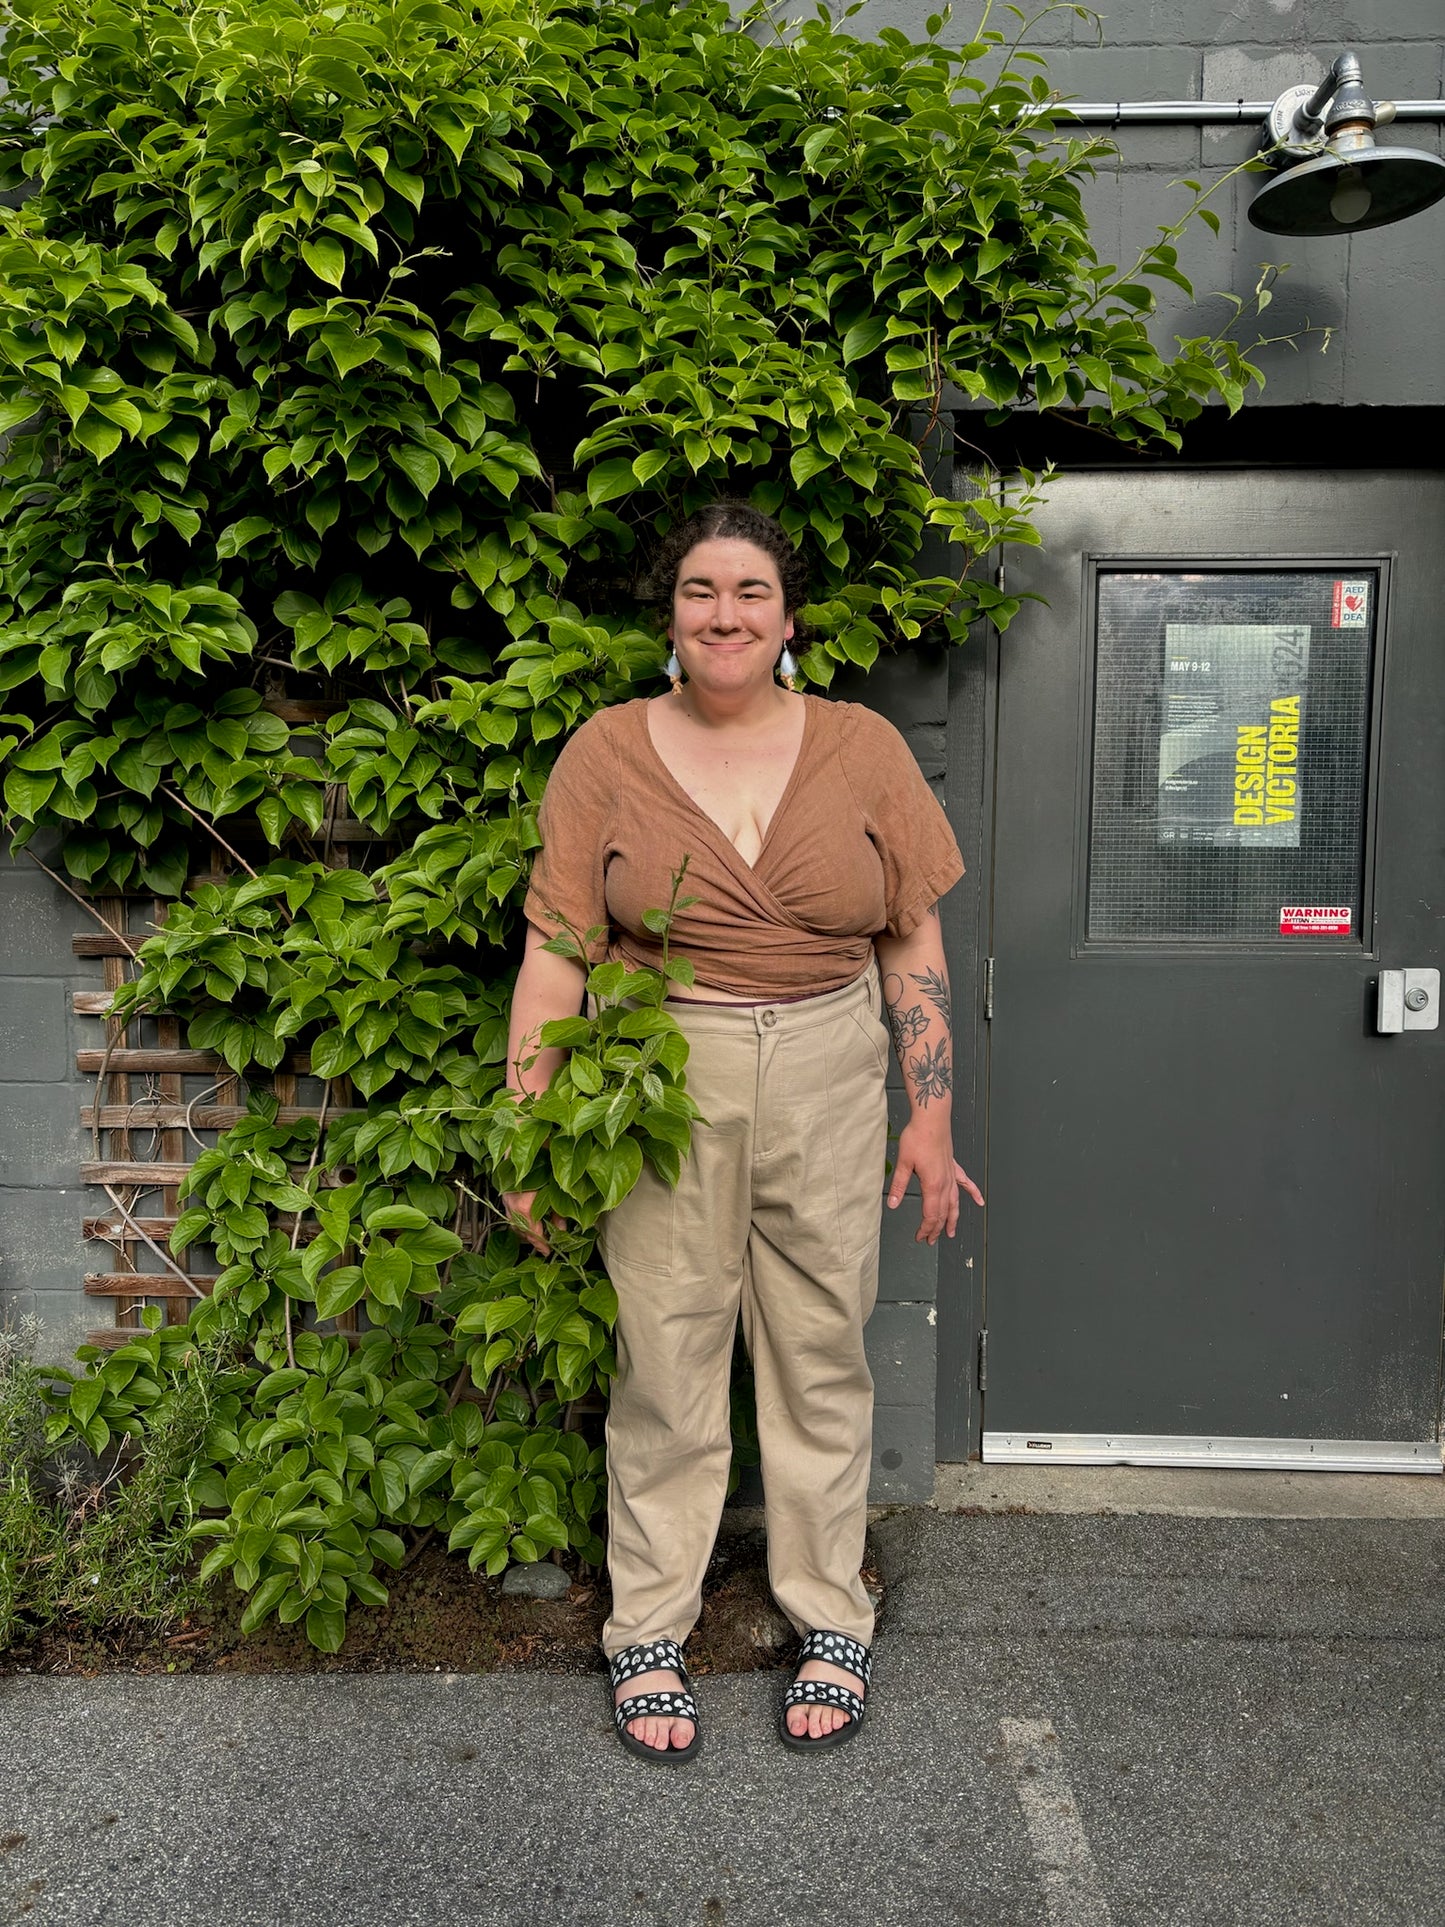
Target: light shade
x: 1346, y: 193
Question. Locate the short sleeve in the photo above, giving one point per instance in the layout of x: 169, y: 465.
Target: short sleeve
x: 569, y: 874
x: 904, y: 820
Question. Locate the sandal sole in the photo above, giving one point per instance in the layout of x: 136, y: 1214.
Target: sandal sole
x: 662, y: 1756
x: 838, y: 1737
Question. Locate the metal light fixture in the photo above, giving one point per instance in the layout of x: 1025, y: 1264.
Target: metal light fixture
x: 1334, y: 180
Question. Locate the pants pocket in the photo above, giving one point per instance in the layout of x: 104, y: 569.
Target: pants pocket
x: 876, y: 1032
x: 639, y: 1233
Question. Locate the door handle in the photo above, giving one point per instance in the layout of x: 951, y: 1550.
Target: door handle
x: 1408, y: 1000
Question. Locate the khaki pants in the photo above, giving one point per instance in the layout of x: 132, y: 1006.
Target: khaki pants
x: 776, y: 1216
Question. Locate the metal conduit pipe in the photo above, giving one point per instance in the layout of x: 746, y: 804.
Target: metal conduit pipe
x: 1124, y: 113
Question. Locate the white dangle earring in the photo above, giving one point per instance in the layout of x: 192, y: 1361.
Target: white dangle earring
x: 674, y: 673
x: 787, y: 667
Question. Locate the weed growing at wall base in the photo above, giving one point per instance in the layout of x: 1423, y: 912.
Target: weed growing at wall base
x: 101, y: 1540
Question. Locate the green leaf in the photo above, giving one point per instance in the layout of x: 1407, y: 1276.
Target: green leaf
x: 808, y: 461
x: 264, y: 1600
x: 326, y: 258
x: 235, y: 538
x: 646, y: 467
x: 85, y: 1398
x: 326, y: 1627
x: 623, y: 1167
x: 427, y: 1470
x: 27, y: 792
x: 395, y: 1217
x: 388, y: 1547
x: 102, y: 438
x: 12, y: 413
x: 337, y: 1291
x: 388, y: 1485
x: 333, y: 1054
x: 387, y: 1270
x: 864, y: 337
x: 419, y: 465
x: 609, y: 480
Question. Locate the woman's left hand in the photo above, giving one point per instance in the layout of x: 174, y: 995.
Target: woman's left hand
x: 925, y: 1150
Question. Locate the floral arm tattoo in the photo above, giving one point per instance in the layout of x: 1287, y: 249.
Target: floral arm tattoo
x: 935, y: 987
x: 927, y: 1071
x: 931, y: 1073
x: 907, y: 1025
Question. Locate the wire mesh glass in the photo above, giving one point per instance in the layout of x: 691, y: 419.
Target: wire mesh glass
x: 1230, y: 755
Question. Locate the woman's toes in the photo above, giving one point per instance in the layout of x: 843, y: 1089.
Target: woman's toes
x: 662, y: 1733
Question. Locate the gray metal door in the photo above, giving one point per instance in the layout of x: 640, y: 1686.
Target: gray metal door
x: 1216, y: 1193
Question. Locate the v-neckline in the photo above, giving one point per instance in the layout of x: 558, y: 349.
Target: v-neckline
x: 711, y: 821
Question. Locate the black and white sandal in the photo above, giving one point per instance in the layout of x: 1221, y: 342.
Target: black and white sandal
x: 657, y: 1656
x: 838, y: 1650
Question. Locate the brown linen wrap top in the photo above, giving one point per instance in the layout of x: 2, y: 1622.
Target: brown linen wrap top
x: 857, y: 848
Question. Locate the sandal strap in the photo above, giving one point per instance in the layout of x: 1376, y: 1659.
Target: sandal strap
x: 656, y: 1656
x: 667, y: 1705
x: 839, y: 1650
x: 822, y: 1692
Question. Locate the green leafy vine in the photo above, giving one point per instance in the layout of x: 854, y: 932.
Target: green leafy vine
x: 351, y: 356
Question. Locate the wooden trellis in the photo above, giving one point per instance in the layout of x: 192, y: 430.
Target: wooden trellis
x: 157, y: 1105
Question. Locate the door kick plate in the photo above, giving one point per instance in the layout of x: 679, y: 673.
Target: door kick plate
x: 1274, y: 1455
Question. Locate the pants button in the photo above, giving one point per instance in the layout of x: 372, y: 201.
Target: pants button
x: 769, y: 1018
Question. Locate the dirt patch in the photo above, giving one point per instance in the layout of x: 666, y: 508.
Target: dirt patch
x: 439, y: 1618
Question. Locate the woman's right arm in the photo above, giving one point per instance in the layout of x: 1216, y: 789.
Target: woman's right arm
x: 548, y: 986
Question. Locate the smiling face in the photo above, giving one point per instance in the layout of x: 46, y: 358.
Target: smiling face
x: 729, y: 619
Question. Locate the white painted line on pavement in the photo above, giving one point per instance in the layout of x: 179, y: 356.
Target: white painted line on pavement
x: 1073, y: 1891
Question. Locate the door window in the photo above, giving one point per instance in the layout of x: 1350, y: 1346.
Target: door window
x: 1230, y: 754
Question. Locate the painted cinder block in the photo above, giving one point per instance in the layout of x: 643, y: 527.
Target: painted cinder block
x: 43, y: 1253
x: 36, y: 924
x: 1145, y: 23
x: 911, y: 17
x: 64, y: 1320
x: 903, y: 1465
x: 1393, y: 351
x: 1350, y: 22
x: 34, y: 1028
x: 1119, y: 72
x: 1173, y: 148
x: 910, y: 688
x: 900, y: 1341
x: 907, y: 1270
x: 40, y: 1137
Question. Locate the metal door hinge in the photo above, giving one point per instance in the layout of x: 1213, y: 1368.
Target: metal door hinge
x: 983, y: 1360
x: 988, y: 989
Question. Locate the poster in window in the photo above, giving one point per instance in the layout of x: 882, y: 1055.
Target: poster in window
x: 1229, y: 733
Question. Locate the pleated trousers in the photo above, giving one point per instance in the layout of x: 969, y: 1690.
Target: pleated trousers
x: 776, y: 1219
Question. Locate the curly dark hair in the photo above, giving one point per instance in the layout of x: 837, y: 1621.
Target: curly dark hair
x: 727, y: 521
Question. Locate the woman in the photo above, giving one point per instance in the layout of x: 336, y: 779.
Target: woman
x: 817, y: 856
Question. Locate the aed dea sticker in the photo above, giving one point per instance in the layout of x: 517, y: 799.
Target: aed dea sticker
x: 1350, y: 605
x: 1315, y: 920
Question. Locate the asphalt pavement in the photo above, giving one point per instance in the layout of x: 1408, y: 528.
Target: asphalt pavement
x: 1077, y: 1720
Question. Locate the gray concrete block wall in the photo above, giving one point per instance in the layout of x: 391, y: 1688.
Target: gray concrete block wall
x: 43, y: 1257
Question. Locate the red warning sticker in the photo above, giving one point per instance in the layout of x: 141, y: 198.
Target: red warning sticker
x: 1315, y: 920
